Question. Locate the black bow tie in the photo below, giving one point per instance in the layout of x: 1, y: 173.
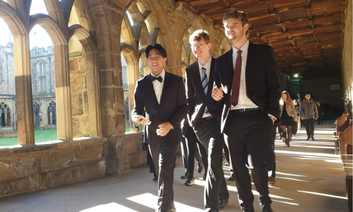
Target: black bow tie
x: 152, y: 78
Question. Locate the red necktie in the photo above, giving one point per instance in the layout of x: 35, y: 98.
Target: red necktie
x: 236, y: 80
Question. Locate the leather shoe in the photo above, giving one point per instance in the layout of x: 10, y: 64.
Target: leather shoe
x: 231, y: 178
x: 312, y: 138
x: 199, y: 167
x: 266, y: 208
x: 308, y: 138
x: 185, y: 176
x: 189, y: 182
x: 155, y: 178
x: 223, y: 202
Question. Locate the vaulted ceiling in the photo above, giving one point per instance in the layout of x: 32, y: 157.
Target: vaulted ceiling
x: 306, y: 35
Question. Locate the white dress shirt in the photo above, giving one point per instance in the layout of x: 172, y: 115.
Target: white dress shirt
x: 243, y: 100
x: 158, y: 86
x: 207, y: 66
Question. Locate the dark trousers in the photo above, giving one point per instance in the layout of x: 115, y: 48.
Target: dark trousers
x: 208, y: 132
x: 271, y: 161
x: 192, y: 141
x: 248, y: 136
x: 163, y: 156
x: 309, y: 126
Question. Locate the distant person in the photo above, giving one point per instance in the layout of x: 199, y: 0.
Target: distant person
x: 308, y: 113
x: 288, y: 116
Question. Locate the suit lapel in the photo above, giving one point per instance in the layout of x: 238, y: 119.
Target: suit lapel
x: 150, y: 90
x: 249, y: 61
x: 197, y: 78
x: 165, y: 86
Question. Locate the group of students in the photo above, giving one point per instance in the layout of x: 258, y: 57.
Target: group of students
x: 232, y: 100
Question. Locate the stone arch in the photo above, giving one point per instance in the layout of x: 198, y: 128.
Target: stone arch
x: 143, y: 36
x: 83, y: 13
x: 127, y: 32
x: 55, y: 12
x: 9, y: 15
x: 132, y: 70
x: 93, y: 78
x: 143, y: 58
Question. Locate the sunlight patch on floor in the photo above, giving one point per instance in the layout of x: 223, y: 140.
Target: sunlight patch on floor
x: 150, y: 200
x: 108, y: 207
x: 322, y: 194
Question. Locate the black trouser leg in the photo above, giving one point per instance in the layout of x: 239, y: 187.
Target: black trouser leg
x: 249, y: 137
x: 208, y: 132
x: 191, y: 141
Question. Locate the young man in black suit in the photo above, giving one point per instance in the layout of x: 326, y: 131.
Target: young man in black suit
x: 247, y: 83
x: 204, y: 116
x: 160, y: 105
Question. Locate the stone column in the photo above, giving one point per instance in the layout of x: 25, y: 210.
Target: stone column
x: 63, y: 93
x: 23, y: 89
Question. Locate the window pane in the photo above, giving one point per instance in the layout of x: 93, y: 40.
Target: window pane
x: 8, y: 115
x: 38, y: 6
x: 43, y: 85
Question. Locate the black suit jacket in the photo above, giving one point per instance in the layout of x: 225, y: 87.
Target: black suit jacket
x: 262, y: 82
x: 197, y: 100
x: 172, y: 107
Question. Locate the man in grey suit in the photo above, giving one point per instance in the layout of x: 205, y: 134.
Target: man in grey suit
x: 160, y: 105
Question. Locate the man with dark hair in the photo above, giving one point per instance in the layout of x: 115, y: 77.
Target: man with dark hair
x: 247, y: 85
x: 204, y: 116
x: 308, y: 113
x: 160, y: 105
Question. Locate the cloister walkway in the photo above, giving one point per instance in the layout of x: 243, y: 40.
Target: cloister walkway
x: 309, y: 178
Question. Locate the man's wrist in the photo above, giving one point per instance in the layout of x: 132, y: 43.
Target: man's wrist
x: 272, y: 117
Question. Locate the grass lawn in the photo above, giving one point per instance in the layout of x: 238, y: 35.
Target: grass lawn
x: 39, y: 136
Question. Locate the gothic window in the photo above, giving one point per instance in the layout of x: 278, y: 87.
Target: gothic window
x: 52, y: 113
x: 5, y: 119
x: 42, y: 77
x: 36, y: 110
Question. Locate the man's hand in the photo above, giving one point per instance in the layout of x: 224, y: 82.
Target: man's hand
x: 315, y: 118
x: 273, y: 120
x: 217, y: 93
x: 295, y: 119
x: 163, y: 129
x: 140, y: 120
x: 301, y: 118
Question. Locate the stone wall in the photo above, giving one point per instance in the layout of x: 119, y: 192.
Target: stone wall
x: 49, y: 165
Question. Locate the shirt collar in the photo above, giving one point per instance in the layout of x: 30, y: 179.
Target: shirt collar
x: 244, y: 48
x: 162, y: 74
x: 207, y: 65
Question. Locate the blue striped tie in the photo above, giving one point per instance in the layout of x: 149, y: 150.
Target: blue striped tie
x: 204, y: 82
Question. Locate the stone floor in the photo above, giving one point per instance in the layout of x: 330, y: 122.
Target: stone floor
x: 309, y: 178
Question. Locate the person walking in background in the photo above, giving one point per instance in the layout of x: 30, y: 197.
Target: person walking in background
x: 160, y: 105
x: 247, y: 85
x: 308, y: 113
x: 288, y: 117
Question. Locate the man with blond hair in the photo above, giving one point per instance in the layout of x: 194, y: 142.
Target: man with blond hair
x: 204, y: 116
